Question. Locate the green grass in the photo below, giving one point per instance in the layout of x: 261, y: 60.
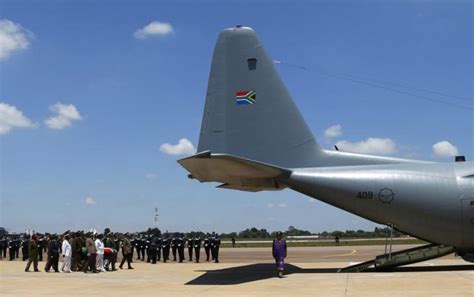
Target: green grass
x: 325, y: 243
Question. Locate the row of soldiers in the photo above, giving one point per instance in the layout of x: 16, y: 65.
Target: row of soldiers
x: 153, y: 247
x: 13, y: 244
x: 157, y: 247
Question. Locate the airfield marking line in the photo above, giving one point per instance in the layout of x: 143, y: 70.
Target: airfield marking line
x: 347, y: 285
x: 205, y: 290
x: 353, y: 251
x: 463, y: 276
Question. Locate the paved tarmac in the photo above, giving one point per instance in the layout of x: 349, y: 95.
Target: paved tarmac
x: 311, y: 271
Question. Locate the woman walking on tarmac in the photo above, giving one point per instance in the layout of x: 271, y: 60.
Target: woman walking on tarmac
x: 279, y: 253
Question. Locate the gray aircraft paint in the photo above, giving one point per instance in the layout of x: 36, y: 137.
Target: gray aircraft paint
x: 268, y: 146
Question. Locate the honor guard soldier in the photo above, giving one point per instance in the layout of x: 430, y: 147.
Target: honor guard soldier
x: 41, y: 247
x: 147, y: 248
x: 143, y: 248
x: 197, y: 248
x: 11, y: 251
x: 181, y: 248
x: 17, y: 247
x: 159, y: 245
x: 136, y: 245
x: 24, y: 247
x: 215, y: 244
x: 207, y: 246
x: 153, y: 249
x: 190, y: 243
x: 166, y: 248
x: 4, y: 247
x: 174, y: 246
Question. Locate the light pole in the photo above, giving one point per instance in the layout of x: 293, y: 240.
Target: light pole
x: 156, y: 217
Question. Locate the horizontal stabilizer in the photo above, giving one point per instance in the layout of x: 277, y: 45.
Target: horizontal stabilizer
x: 234, y: 172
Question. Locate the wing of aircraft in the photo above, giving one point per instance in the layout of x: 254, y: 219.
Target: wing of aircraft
x: 254, y: 138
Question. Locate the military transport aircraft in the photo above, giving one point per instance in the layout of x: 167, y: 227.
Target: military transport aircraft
x: 253, y: 138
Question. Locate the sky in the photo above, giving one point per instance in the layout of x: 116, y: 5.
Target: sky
x: 98, y: 99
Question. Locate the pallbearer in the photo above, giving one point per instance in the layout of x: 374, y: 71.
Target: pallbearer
x: 279, y: 253
x: 111, y: 253
x: 126, y: 252
x: 32, y: 254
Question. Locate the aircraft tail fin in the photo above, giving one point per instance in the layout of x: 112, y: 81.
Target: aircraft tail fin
x: 249, y: 112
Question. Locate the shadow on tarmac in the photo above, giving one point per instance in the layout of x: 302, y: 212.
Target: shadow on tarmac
x: 262, y: 271
x: 249, y: 273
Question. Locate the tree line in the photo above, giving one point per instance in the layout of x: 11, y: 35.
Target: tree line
x: 255, y: 233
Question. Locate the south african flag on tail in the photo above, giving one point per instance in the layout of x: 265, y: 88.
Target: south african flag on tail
x: 245, y: 97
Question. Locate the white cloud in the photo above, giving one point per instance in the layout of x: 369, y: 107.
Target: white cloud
x: 154, y: 29
x: 90, y: 201
x: 333, y: 131
x: 66, y: 114
x: 378, y: 146
x: 151, y: 176
x: 184, y: 147
x: 444, y: 149
x: 13, y: 37
x: 281, y: 205
x: 10, y: 118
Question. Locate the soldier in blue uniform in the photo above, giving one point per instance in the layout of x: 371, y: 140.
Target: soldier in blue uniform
x: 13, y: 246
x: 136, y: 245
x: 3, y: 247
x: 41, y: 247
x: 174, y: 246
x: 166, y: 248
x: 152, y: 249
x: 207, y: 246
x: 197, y: 248
x: 190, y: 242
x: 148, y: 248
x: 215, y: 244
x: 24, y: 247
x: 143, y: 248
x: 181, y: 244
x: 159, y: 244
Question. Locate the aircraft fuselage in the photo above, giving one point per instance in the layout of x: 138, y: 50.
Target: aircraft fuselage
x: 415, y: 198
